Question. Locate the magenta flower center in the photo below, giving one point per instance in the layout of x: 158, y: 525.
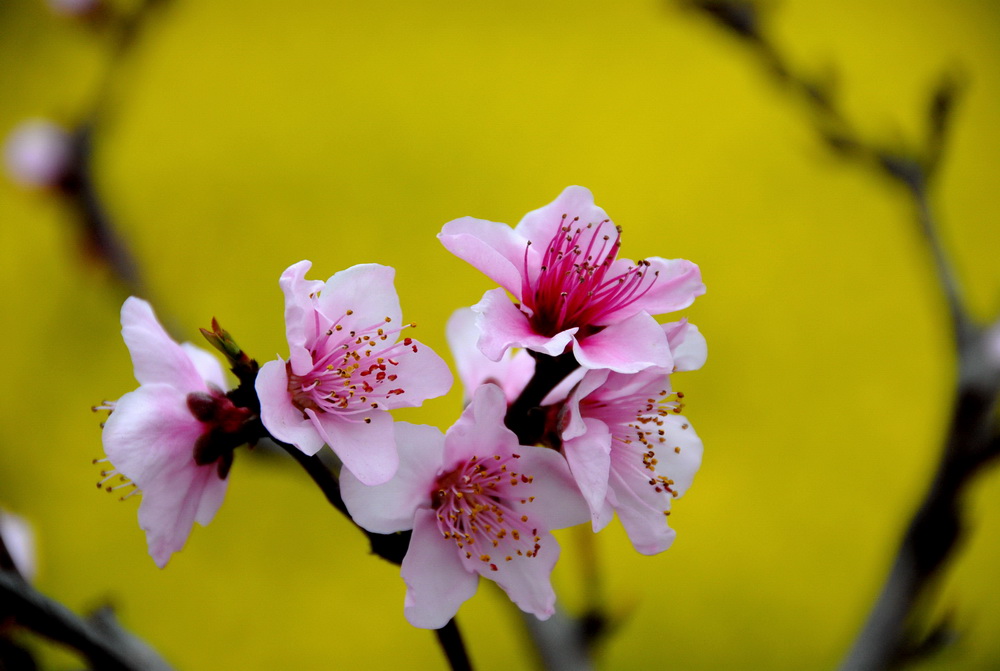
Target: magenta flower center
x: 352, y: 370
x: 474, y: 509
x: 575, y: 285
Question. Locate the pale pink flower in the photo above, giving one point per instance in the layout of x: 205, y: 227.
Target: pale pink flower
x: 571, y: 291
x: 38, y: 153
x: 173, y: 436
x: 347, y: 368
x: 479, y: 504
x: 511, y: 373
x: 629, y: 449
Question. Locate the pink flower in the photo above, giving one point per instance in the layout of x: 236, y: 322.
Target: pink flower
x: 628, y: 447
x: 346, y: 369
x: 173, y: 436
x: 560, y: 265
x: 479, y: 504
x: 511, y: 373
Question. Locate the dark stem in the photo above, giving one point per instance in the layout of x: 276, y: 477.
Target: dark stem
x: 451, y: 642
x: 525, y: 417
x: 99, y: 639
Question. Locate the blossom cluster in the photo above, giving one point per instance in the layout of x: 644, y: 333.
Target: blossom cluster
x: 570, y: 414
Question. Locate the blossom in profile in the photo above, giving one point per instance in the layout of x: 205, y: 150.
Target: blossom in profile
x: 173, y: 437
x: 479, y: 504
x: 38, y: 153
x: 570, y: 289
x: 347, y: 367
x: 629, y: 448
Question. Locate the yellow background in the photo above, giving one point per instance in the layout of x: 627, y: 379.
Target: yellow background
x: 248, y: 135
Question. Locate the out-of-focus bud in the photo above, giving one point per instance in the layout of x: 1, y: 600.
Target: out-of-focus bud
x: 19, y: 541
x: 75, y: 7
x: 38, y: 153
x: 992, y: 345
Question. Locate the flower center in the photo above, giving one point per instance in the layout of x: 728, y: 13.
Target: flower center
x: 352, y: 370
x: 224, y: 425
x: 575, y: 286
x: 474, y: 509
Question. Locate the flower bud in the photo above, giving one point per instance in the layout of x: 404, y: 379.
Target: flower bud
x: 74, y: 7
x: 38, y: 153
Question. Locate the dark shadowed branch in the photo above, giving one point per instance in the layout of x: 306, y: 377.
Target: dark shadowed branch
x: 99, y: 639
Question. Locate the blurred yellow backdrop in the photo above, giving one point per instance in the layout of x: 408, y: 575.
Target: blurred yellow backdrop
x: 245, y: 136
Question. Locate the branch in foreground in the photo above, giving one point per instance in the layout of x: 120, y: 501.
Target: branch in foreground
x: 99, y: 639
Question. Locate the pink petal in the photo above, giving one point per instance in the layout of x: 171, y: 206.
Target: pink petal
x: 502, y: 326
x: 648, y: 383
x: 390, y: 507
x: 212, y: 495
x: 626, y: 347
x: 150, y: 439
x: 677, y: 285
x: 366, y: 289
x: 558, y: 502
x: 436, y: 582
x: 687, y: 345
x: 422, y: 374
x: 589, y: 459
x: 300, y: 323
x: 526, y: 580
x: 173, y: 501
x: 155, y: 356
x: 281, y: 418
x: 208, y: 367
x: 679, y: 466
x: 641, y: 512
x: 367, y: 448
x: 493, y: 249
x: 150, y: 429
x: 541, y: 225
x: 480, y: 431
x: 573, y: 422
x: 511, y: 373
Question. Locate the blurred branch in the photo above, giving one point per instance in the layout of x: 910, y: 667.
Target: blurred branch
x: 561, y: 642
x: 99, y: 639
x: 101, y: 239
x: 889, y: 637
